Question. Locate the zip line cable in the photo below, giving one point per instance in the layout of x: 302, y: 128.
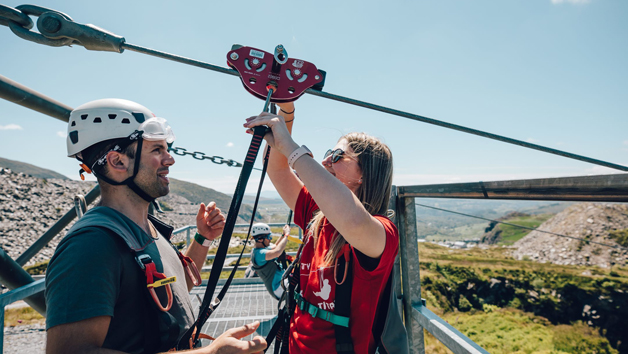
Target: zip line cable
x: 383, y: 109
x: 58, y: 29
x: 520, y: 226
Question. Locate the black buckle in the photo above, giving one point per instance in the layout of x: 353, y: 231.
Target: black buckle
x: 142, y: 260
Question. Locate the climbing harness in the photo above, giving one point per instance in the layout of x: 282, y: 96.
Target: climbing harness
x: 58, y: 29
x: 389, y: 332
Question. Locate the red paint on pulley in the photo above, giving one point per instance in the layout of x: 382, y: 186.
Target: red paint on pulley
x: 259, y: 70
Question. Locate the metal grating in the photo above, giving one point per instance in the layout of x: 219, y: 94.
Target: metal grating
x: 242, y: 304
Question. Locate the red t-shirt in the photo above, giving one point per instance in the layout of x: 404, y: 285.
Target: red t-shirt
x: 314, y: 335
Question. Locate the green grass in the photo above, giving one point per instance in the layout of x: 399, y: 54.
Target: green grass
x: 514, y: 331
x: 511, y: 234
x: 22, y: 316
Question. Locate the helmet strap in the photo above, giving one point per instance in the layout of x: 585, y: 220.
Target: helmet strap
x: 130, y: 182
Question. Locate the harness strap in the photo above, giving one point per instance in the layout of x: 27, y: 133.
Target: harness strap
x: 315, y: 311
x: 344, y: 343
x: 189, y: 266
x: 155, y: 279
x: 208, y: 305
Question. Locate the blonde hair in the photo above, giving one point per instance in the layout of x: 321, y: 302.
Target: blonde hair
x: 376, y: 163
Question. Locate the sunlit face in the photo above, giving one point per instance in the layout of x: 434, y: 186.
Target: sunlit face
x: 152, y: 176
x: 346, y: 169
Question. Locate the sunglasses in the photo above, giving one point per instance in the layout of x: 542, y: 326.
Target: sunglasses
x: 336, y: 155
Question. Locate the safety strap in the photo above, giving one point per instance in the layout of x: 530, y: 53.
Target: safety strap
x: 315, y: 311
x: 344, y: 344
x: 155, y: 279
x: 281, y: 327
x: 189, y: 266
x: 207, y: 305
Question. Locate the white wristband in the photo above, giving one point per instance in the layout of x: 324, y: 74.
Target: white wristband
x: 296, y: 154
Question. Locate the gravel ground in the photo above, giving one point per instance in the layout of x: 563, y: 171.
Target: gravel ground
x: 29, y: 339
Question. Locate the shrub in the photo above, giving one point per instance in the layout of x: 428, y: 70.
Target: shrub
x: 463, y: 304
x: 37, y: 268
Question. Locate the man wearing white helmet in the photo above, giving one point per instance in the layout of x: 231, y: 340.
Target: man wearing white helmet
x: 115, y: 283
x: 264, y: 257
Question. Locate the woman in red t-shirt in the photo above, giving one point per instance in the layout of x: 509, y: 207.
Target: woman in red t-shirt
x: 344, y: 201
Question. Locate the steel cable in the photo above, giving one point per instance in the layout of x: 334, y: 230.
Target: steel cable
x: 521, y: 226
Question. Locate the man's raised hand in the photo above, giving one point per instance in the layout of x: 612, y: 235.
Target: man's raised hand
x: 209, y: 221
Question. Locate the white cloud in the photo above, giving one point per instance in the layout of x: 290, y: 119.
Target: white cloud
x: 61, y: 134
x: 601, y: 170
x: 10, y: 127
x: 532, y: 140
x: 571, y: 1
x: 625, y: 142
x: 229, y: 144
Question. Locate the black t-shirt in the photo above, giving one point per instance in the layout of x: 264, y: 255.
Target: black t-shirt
x: 93, y: 273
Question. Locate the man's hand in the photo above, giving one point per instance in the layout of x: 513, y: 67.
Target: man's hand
x: 286, y: 230
x: 229, y: 342
x: 209, y: 221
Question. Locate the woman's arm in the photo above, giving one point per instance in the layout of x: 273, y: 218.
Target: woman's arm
x: 285, y: 181
x: 341, y: 207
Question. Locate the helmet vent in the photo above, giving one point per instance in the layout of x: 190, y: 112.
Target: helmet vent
x: 139, y: 117
x: 73, y: 123
x: 113, y: 116
x: 83, y: 116
x: 74, y: 136
x: 126, y: 121
x: 97, y: 120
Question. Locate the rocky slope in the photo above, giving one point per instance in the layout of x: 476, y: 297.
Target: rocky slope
x: 590, y: 221
x: 29, y: 206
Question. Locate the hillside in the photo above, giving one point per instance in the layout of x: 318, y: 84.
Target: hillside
x: 30, y: 169
x: 31, y: 205
x: 504, y: 234
x: 598, y: 222
x: 437, y: 225
x: 495, y: 300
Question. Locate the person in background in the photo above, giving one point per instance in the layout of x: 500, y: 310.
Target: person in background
x: 265, y: 257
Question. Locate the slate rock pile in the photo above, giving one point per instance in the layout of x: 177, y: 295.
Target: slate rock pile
x: 588, y: 221
x: 29, y: 206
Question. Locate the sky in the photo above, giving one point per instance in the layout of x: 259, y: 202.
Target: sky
x: 551, y: 72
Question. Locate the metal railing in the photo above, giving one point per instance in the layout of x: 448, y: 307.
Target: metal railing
x: 605, y: 188
x: 188, y: 230
x: 16, y: 295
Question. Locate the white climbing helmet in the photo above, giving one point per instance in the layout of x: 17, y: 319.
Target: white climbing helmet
x: 113, y: 118
x: 260, y: 229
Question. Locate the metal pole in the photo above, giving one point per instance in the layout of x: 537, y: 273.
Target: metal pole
x: 187, y: 238
x: 410, y: 277
x: 392, y: 205
x: 13, y: 276
x: 24, y: 96
x: 603, y: 188
x: 54, y: 230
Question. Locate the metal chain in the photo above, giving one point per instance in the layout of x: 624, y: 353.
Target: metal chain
x: 20, y: 23
x: 202, y: 156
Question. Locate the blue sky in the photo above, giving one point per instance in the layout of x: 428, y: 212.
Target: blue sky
x: 550, y: 72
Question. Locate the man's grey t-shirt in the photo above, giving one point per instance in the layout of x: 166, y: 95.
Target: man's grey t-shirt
x: 94, y: 273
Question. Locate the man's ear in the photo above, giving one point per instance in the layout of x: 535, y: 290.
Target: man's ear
x: 117, y: 162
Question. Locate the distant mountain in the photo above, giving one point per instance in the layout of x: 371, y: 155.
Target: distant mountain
x: 442, y: 225
x: 29, y: 169
x: 605, y: 225
x: 198, y: 194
